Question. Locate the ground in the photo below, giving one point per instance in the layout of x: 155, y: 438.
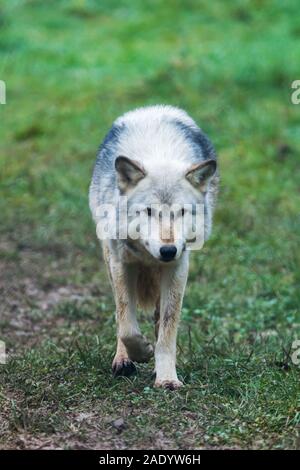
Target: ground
x: 70, y: 69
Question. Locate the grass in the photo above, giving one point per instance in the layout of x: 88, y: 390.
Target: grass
x: 70, y: 69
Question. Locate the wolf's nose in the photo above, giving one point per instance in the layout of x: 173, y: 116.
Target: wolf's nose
x: 168, y: 252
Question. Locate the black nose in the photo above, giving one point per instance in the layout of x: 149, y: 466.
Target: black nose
x: 168, y: 252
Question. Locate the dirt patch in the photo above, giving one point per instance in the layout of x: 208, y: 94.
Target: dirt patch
x: 32, y: 285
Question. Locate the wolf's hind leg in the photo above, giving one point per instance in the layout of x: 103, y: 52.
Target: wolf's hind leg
x: 139, y: 349
x: 156, y: 318
x: 122, y: 365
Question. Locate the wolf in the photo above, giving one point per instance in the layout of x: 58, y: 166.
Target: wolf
x: 154, y: 156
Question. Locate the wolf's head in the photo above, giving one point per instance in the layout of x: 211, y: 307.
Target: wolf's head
x: 165, y: 205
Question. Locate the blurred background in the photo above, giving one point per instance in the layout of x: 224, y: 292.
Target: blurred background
x: 72, y: 67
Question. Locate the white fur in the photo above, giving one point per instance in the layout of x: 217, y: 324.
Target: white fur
x: 166, y: 144
x: 154, y: 142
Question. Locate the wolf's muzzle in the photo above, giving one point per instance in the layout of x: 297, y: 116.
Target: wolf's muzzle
x: 168, y: 252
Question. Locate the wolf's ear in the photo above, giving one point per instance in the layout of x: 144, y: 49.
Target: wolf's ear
x: 201, y: 173
x: 129, y: 173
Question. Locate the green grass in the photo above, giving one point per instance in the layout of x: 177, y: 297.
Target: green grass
x: 71, y: 67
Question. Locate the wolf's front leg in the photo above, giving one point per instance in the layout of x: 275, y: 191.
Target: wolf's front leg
x: 173, y: 283
x: 132, y: 346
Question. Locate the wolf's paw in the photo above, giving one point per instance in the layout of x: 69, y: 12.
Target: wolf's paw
x: 138, y: 348
x: 168, y: 384
x: 123, y: 367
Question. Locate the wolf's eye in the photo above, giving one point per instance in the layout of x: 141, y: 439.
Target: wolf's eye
x: 149, y: 211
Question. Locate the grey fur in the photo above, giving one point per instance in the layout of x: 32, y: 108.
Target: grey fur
x: 103, y: 188
x: 168, y: 160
